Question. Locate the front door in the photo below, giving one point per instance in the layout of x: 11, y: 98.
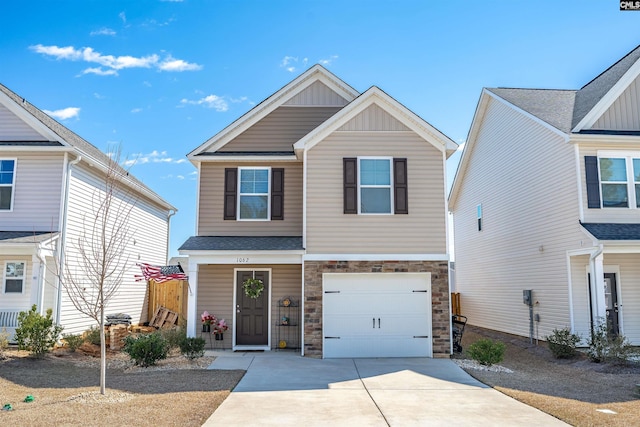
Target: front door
x: 252, y: 314
x: 611, y: 299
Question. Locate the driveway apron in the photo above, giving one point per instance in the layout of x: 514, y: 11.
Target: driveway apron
x: 297, y: 391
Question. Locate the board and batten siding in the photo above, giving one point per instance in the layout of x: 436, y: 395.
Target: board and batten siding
x: 37, y: 192
x: 280, y: 129
x: 523, y: 174
x: 148, y: 243
x: 624, y: 113
x: 330, y: 231
x: 13, y: 128
x: 215, y: 292
x: 317, y: 93
x: 211, y: 220
x: 619, y: 215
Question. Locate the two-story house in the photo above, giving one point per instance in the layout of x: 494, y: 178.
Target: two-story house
x: 50, y: 181
x: 335, y: 201
x: 547, y: 199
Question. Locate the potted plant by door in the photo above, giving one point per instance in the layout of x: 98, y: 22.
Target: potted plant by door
x: 219, y: 329
x: 207, y: 321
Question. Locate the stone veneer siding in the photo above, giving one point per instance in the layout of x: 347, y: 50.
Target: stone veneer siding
x: 441, y: 317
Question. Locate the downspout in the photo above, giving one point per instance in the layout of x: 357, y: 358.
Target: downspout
x: 169, y: 215
x: 594, y: 279
x: 42, y: 272
x: 63, y: 235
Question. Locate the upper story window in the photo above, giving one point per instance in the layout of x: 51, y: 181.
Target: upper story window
x: 253, y: 193
x: 7, y: 180
x: 14, y: 277
x: 375, y: 183
x: 620, y: 181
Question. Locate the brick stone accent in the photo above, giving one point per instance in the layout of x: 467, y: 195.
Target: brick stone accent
x: 441, y: 316
x: 117, y: 334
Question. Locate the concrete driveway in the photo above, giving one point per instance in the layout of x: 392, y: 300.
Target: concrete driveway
x: 282, y: 389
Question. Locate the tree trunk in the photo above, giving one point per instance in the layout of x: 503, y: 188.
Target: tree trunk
x: 103, y: 354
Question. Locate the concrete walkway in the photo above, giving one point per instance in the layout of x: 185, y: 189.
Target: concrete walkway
x: 284, y: 389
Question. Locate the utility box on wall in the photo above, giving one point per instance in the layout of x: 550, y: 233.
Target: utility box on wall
x: 527, y: 297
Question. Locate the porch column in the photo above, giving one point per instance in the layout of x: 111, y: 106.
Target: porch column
x: 192, y: 298
x: 599, y: 307
x: 37, y: 283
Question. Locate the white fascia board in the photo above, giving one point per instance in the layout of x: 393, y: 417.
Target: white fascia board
x: 315, y: 73
x: 621, y: 247
x: 376, y: 257
x: 11, y: 249
x: 257, y: 158
x: 240, y: 258
x: 37, y: 148
x: 375, y: 95
x: 608, y: 99
x: 606, y: 139
x: 30, y: 119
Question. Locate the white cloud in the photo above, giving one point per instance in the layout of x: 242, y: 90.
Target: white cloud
x: 123, y: 16
x: 153, y: 157
x: 136, y: 110
x: 96, y: 95
x: 461, y: 145
x: 65, y: 113
x: 103, y: 32
x: 328, y: 61
x: 110, y: 64
x: 210, y: 101
x: 291, y: 63
x: 193, y: 173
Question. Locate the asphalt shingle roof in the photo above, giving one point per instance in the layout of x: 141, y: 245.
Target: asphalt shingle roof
x: 611, y: 231
x: 25, y: 236
x: 242, y: 243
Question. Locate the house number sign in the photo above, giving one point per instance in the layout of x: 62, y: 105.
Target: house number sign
x: 242, y: 260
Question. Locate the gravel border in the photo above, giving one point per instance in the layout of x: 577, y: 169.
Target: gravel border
x: 472, y: 364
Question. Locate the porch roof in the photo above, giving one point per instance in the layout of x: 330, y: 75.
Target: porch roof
x: 242, y: 243
x: 13, y: 237
x: 612, y: 231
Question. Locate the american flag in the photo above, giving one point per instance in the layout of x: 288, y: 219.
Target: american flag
x: 160, y: 273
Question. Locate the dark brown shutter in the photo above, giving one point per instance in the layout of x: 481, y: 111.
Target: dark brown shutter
x: 230, y: 191
x: 400, y: 195
x: 593, y: 182
x: 350, y: 180
x: 277, y: 193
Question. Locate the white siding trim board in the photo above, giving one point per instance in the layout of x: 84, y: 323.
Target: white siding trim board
x: 376, y: 257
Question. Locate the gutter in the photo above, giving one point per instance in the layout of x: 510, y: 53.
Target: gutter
x: 170, y: 213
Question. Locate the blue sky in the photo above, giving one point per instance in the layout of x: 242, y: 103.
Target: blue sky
x: 161, y: 77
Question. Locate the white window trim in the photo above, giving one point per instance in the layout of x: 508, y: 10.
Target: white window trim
x: 390, y: 186
x: 24, y: 277
x: 13, y: 183
x: 628, y: 157
x: 240, y: 194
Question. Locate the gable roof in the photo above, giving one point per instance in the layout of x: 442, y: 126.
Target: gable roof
x: 242, y: 243
x: 63, y: 137
x: 377, y: 96
x: 611, y: 231
x: 257, y: 113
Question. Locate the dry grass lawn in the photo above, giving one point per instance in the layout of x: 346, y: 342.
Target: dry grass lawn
x: 65, y: 388
x: 575, y: 390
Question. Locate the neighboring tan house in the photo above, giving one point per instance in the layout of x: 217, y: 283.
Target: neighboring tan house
x: 547, y: 198
x: 336, y: 201
x: 48, y: 179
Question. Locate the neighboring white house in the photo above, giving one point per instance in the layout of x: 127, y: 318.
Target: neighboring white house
x: 547, y: 198
x: 336, y: 201
x: 48, y: 177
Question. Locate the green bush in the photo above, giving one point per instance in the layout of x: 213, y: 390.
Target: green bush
x: 192, y: 348
x: 146, y: 350
x: 36, y: 332
x: 174, y: 336
x: 562, y: 343
x: 604, y: 347
x: 487, y: 352
x: 73, y: 341
x: 4, y: 343
x: 93, y: 335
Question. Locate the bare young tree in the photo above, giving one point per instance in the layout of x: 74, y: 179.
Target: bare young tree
x: 94, y: 270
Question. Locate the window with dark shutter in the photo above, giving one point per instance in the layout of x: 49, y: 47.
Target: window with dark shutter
x: 277, y: 193
x: 350, y: 180
x: 400, y: 195
x: 230, y: 192
x: 593, y: 182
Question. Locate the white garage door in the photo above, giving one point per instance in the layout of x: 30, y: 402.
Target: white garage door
x: 377, y: 315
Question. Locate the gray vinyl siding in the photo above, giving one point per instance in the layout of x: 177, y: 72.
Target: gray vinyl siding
x: 147, y: 243
x: 210, y: 215
x: 619, y: 215
x: 329, y: 230
x: 37, y: 192
x: 317, y: 94
x: 215, y: 293
x: 13, y: 128
x: 624, y: 113
x: 374, y: 118
x: 280, y: 129
x: 524, y: 176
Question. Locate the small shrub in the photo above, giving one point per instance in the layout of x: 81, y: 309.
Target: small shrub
x: 92, y: 335
x: 487, y: 352
x: 563, y: 343
x: 174, y: 336
x: 73, y: 341
x: 4, y: 343
x: 192, y: 348
x: 604, y: 347
x: 146, y: 350
x: 36, y: 332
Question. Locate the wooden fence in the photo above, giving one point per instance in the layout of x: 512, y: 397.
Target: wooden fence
x: 455, y: 303
x: 171, y: 295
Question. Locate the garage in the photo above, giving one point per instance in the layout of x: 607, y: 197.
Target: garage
x: 377, y: 315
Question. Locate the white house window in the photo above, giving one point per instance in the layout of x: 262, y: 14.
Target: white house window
x: 253, y: 191
x: 620, y: 181
x: 14, y: 277
x: 375, y: 182
x: 7, y: 180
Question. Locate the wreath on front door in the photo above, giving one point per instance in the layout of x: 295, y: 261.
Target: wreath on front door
x: 253, y: 287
